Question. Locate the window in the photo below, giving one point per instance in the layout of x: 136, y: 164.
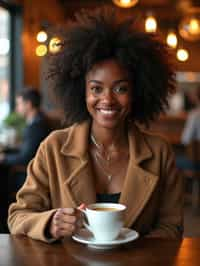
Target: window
x: 10, y: 56
x: 5, y: 22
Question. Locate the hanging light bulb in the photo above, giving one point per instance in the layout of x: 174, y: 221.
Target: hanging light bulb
x: 150, y: 24
x: 182, y: 55
x: 55, y: 45
x: 189, y: 27
x: 172, y: 39
x: 41, y: 50
x: 41, y: 36
x: 125, y: 3
x: 194, y: 26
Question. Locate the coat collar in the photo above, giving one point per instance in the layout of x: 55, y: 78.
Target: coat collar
x: 138, y: 185
x: 76, y: 144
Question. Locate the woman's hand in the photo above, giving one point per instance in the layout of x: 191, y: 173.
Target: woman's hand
x: 65, y: 222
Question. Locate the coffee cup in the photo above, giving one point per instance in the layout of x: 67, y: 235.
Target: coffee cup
x: 104, y: 220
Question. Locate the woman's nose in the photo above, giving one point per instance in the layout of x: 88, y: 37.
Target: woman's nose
x: 108, y: 96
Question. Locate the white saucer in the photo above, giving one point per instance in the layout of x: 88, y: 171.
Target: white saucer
x: 84, y: 236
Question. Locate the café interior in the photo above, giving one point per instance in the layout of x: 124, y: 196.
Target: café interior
x: 27, y: 37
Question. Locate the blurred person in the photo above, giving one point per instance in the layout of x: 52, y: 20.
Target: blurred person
x: 191, y: 131
x: 106, y: 75
x: 36, y: 129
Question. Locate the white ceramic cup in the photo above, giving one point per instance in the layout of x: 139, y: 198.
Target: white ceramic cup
x: 104, y: 220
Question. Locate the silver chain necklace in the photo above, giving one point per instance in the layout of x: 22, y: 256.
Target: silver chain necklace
x: 100, y: 148
x: 99, y: 157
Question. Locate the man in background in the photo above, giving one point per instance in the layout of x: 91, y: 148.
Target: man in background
x: 36, y: 129
x: 13, y: 163
x: 28, y: 105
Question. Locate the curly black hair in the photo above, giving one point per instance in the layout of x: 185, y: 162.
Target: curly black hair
x: 97, y: 36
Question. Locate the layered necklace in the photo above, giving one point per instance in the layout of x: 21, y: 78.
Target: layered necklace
x: 104, y: 159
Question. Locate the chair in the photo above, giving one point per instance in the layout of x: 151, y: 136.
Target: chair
x: 193, y: 154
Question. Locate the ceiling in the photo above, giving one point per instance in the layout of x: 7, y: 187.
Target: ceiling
x: 164, y: 9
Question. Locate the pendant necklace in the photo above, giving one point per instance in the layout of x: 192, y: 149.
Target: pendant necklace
x: 100, y: 149
x: 100, y: 160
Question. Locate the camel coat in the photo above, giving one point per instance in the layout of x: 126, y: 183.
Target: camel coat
x: 60, y: 176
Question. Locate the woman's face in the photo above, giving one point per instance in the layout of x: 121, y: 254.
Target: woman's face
x: 108, y: 94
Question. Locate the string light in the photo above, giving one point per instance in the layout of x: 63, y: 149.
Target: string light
x: 172, y: 39
x: 41, y: 36
x: 182, y: 55
x: 189, y: 26
x: 194, y: 26
x: 41, y: 50
x: 125, y: 3
x: 55, y: 45
x: 150, y: 24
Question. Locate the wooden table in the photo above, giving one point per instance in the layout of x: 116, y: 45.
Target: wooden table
x: 23, y: 251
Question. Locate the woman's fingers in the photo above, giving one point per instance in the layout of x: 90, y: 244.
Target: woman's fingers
x: 82, y: 206
x: 65, y: 222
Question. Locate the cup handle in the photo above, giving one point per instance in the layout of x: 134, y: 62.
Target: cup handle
x: 85, y: 220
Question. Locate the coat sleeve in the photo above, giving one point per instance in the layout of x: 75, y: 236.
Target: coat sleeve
x: 169, y: 223
x: 32, y: 211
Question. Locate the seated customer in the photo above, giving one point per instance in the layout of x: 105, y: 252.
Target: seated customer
x: 191, y: 132
x: 107, y: 77
x: 28, y: 105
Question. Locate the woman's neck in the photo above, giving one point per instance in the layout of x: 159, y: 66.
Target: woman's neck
x: 116, y: 137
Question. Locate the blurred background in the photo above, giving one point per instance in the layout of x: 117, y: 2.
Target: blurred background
x: 26, y: 38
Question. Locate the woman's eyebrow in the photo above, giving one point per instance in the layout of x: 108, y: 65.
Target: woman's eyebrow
x: 95, y: 81
x: 121, y: 80
x: 115, y: 82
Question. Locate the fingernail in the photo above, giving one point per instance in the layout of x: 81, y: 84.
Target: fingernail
x: 82, y: 206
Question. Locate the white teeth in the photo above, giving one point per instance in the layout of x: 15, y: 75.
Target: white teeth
x: 107, y: 112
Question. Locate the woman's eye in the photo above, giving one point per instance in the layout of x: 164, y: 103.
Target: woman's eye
x: 121, y: 89
x: 96, y: 89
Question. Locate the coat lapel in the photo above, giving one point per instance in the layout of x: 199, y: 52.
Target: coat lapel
x: 80, y: 181
x: 139, y: 183
x: 136, y: 192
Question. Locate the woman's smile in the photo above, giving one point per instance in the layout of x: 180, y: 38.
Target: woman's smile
x: 108, y: 94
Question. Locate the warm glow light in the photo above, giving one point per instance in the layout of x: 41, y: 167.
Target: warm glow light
x: 172, y: 39
x: 125, y: 3
x: 150, y: 24
x: 41, y: 50
x: 4, y: 46
x: 55, y: 45
x: 182, y: 55
x: 41, y: 36
x: 194, y: 26
x: 189, y: 26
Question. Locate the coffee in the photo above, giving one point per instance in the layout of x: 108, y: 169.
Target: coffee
x: 104, y: 209
x: 104, y: 220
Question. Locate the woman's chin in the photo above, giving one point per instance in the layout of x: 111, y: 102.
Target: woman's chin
x: 108, y: 124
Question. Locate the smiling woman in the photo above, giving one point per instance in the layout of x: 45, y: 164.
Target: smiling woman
x: 108, y: 94
x: 109, y: 76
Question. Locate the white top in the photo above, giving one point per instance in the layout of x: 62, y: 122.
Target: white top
x: 192, y: 127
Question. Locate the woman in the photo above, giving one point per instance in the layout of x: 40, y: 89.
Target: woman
x: 109, y: 76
